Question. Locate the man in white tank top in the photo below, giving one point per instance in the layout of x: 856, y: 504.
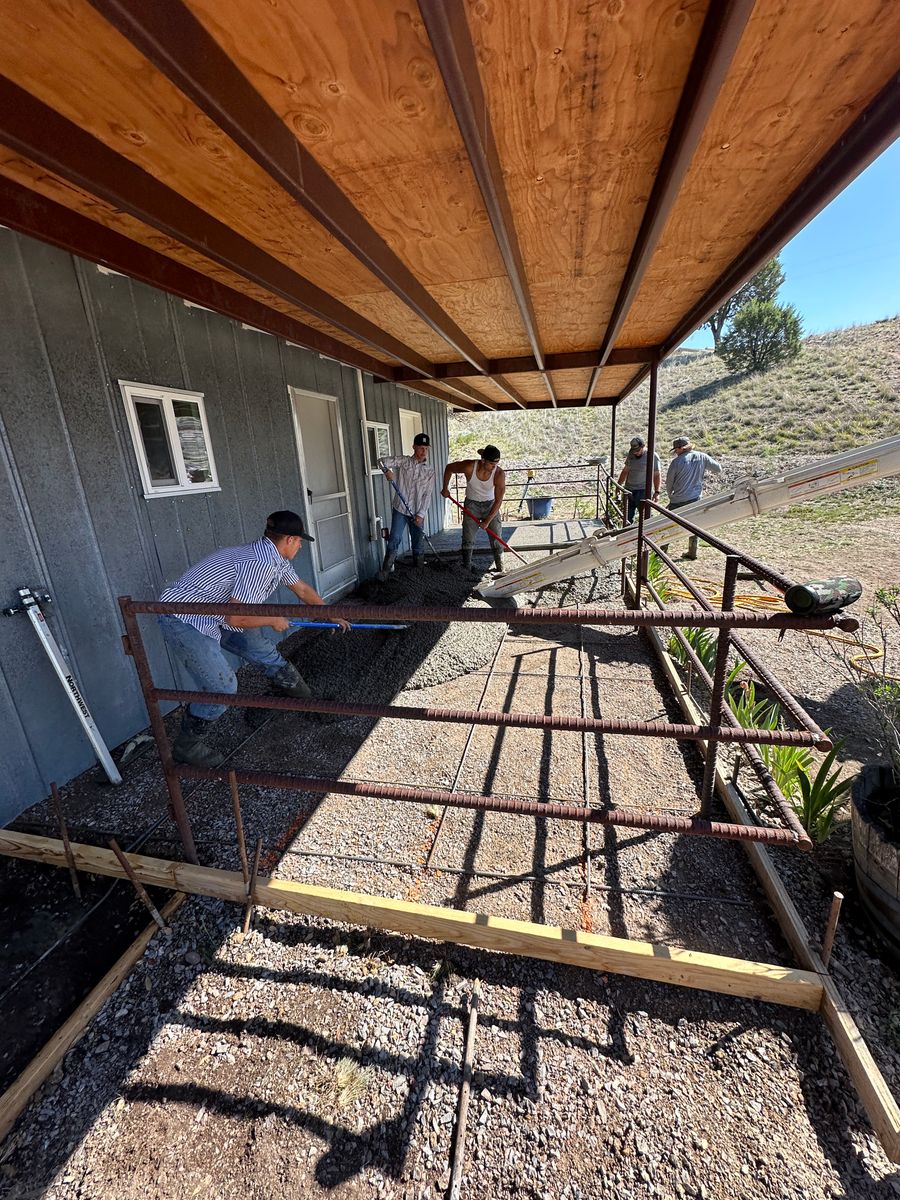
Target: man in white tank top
x: 485, y: 489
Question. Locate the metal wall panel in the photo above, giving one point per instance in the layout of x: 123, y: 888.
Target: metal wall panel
x: 73, y: 518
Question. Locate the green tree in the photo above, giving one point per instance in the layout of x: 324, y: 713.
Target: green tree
x: 763, y: 286
x: 762, y: 334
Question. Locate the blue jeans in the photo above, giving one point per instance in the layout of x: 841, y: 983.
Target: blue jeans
x: 207, y: 666
x: 400, y: 522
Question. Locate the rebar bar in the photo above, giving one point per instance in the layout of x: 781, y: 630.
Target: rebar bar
x: 461, y: 716
x: 143, y: 894
x: 615, y: 617
x: 67, y: 845
x: 784, y: 698
x: 716, y: 704
x: 754, y: 758
x: 134, y: 646
x: 776, y: 579
x: 657, y: 822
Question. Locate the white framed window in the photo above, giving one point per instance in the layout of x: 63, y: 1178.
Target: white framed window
x: 171, y: 439
x: 378, y: 444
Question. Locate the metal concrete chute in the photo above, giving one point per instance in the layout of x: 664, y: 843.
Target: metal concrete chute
x: 750, y: 497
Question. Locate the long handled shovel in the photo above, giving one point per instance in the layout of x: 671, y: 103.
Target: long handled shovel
x: 334, y: 625
x: 489, y: 532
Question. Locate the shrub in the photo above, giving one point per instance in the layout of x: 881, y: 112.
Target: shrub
x: 762, y: 334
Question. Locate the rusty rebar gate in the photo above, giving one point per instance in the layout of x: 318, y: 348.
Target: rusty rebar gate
x: 718, y: 730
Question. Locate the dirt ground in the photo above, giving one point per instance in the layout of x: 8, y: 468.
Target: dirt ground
x: 312, y: 1060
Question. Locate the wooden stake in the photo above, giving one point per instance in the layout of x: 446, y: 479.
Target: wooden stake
x: 76, y: 886
x: 462, y: 1112
x: 236, y: 805
x: 139, y: 887
x: 643, y: 960
x: 831, y: 928
x: 251, y: 887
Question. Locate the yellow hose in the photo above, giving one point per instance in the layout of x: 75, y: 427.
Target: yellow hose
x: 712, y: 589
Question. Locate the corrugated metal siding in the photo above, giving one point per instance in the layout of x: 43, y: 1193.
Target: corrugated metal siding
x: 73, y: 519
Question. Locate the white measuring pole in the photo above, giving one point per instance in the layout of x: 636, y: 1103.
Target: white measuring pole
x: 31, y: 606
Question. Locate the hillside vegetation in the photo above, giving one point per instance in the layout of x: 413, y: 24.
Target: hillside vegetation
x: 841, y: 392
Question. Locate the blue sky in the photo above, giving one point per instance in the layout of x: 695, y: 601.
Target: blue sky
x: 844, y: 267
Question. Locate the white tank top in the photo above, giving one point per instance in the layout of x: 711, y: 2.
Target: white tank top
x: 481, y: 490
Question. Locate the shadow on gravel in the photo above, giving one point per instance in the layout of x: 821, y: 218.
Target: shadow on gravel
x: 370, y: 667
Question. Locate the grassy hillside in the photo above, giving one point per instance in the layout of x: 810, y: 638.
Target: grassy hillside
x: 842, y: 391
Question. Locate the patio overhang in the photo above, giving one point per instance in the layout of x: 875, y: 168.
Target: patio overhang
x: 506, y: 206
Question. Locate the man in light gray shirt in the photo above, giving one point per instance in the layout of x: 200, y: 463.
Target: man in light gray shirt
x: 412, y: 494
x: 684, y: 478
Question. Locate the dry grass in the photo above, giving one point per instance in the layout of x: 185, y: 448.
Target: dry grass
x: 349, y: 1083
x: 841, y: 392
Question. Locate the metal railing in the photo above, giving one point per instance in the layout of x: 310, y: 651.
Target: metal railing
x: 719, y: 729
x: 720, y: 713
x: 553, y: 481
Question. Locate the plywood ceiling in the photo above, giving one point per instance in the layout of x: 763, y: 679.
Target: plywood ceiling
x: 510, y: 205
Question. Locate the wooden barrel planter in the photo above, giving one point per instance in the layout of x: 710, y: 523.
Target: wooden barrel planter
x: 876, y: 853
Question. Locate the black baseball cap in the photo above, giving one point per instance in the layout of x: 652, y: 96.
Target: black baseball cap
x: 421, y: 439
x: 285, y: 523
x: 491, y: 453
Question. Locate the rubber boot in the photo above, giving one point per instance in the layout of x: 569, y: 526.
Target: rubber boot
x: 498, y: 561
x: 387, y: 566
x: 289, y: 682
x: 418, y: 560
x: 693, y: 544
x: 467, y: 561
x: 189, y: 747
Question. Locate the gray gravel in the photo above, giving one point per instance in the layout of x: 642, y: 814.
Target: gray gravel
x: 311, y: 1059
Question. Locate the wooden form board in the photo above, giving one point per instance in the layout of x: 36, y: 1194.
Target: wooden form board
x: 877, y: 1098
x: 19, y: 1093
x: 643, y: 960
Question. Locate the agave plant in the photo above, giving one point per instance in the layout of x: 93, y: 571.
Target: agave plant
x: 821, y: 797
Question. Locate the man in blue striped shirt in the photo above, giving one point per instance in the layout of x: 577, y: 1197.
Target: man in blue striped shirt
x: 248, y: 574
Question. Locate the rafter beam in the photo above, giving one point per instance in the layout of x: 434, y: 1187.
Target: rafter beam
x: 32, y: 214
x: 874, y: 130
x: 168, y: 34
x: 41, y: 134
x: 719, y: 38
x: 447, y: 397
x: 451, y: 42
x: 507, y: 389
x: 526, y: 364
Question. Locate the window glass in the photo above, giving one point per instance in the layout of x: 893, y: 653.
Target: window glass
x: 171, y: 440
x: 379, y: 444
x: 156, y: 443
x: 192, y: 441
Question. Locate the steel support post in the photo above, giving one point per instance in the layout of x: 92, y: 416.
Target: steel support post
x: 135, y: 647
x: 612, y: 456
x: 723, y: 647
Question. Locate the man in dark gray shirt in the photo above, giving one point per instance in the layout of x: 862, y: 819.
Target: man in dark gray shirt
x: 634, y: 475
